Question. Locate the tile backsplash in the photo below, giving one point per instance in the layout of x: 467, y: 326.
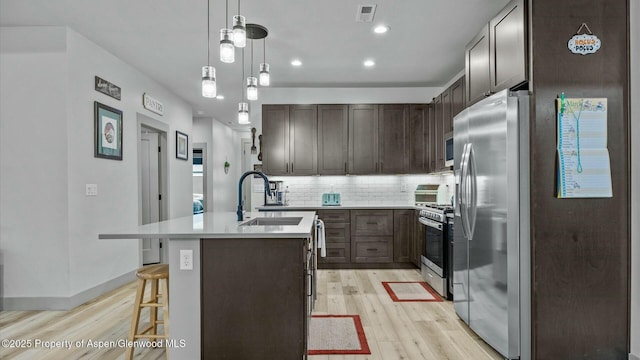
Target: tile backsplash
x: 356, y: 190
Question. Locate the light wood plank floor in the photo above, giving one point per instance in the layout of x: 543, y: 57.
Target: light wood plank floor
x: 404, y: 330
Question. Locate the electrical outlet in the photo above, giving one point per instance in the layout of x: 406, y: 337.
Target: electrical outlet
x: 186, y: 259
x: 403, y: 187
x: 91, y: 189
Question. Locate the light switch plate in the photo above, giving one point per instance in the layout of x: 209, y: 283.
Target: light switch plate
x: 91, y: 190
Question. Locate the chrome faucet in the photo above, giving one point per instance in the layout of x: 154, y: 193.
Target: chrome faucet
x: 267, y: 190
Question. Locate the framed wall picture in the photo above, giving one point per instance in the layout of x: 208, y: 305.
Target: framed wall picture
x: 182, y: 146
x: 108, y: 131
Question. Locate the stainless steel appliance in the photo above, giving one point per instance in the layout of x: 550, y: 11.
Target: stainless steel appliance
x: 276, y: 197
x: 449, y: 241
x: 434, y: 264
x: 448, y: 149
x: 491, y: 274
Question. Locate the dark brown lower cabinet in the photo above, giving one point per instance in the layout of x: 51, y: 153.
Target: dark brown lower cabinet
x: 254, y: 298
x: 402, y: 235
x: 417, y: 241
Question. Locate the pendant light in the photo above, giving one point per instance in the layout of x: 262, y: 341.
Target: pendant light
x: 243, y: 107
x: 239, y: 30
x: 264, y: 67
x: 208, y: 71
x: 227, y: 50
x: 252, y: 82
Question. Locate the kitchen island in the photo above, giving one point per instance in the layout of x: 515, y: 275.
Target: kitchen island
x: 248, y: 294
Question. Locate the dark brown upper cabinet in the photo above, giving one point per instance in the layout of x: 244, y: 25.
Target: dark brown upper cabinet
x: 508, y: 60
x: 437, y: 147
x: 393, y: 130
x: 290, y: 139
x: 496, y: 58
x: 456, y: 93
x: 275, y: 139
x: 333, y: 139
x: 363, y: 139
x: 477, y: 77
x: 419, y: 142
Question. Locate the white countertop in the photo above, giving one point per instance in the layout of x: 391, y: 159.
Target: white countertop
x: 343, y: 207
x: 218, y: 225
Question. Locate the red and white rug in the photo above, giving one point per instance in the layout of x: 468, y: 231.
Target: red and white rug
x: 400, y: 291
x: 337, y: 334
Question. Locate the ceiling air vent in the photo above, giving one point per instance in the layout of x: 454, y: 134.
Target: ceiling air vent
x: 365, y: 13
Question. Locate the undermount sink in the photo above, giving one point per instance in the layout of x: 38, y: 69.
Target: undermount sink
x: 266, y: 221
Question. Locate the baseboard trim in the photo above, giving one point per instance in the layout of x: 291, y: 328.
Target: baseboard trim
x: 65, y: 303
x: 634, y: 357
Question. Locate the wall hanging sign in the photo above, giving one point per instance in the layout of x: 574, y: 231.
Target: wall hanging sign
x: 152, y: 104
x: 108, y: 132
x: 182, y: 145
x: 107, y: 88
x: 584, y: 170
x: 584, y: 44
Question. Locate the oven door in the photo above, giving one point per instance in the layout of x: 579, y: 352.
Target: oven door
x: 434, y: 245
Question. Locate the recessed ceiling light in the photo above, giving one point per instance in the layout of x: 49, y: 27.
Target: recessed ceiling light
x: 380, y: 29
x: 220, y: 97
x: 369, y: 63
x: 200, y: 112
x: 296, y: 62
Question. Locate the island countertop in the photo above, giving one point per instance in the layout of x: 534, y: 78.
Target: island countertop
x: 218, y: 225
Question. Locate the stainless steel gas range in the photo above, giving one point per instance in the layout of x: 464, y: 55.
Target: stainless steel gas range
x: 435, y: 251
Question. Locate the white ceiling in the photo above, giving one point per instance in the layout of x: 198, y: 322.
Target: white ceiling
x: 167, y: 40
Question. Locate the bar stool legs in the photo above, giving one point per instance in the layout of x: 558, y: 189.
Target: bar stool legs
x: 158, y: 276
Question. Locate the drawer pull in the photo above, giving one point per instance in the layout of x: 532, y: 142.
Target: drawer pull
x: 334, y: 234
x: 334, y: 253
x: 372, y: 249
x: 372, y: 223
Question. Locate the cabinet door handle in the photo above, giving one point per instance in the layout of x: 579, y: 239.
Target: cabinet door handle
x: 291, y: 167
x: 334, y: 234
x: 381, y: 166
x: 287, y: 171
x: 376, y: 167
x: 345, y: 167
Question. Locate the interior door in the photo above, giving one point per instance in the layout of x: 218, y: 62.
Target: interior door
x: 149, y: 172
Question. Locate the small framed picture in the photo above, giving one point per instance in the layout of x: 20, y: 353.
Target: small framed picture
x: 182, y: 145
x: 108, y: 132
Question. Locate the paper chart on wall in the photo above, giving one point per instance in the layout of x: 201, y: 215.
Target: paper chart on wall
x: 584, y: 169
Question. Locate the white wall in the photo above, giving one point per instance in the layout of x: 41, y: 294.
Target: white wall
x: 635, y: 178
x: 223, y: 144
x: 64, y: 163
x: 33, y: 170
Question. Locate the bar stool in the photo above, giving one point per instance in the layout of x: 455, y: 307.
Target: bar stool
x: 153, y: 274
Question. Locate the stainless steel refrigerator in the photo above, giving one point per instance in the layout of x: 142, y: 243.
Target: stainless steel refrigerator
x: 491, y: 275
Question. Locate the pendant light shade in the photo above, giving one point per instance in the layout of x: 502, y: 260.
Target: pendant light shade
x: 264, y: 75
x: 239, y: 31
x: 209, y: 89
x: 227, y: 50
x: 209, y: 81
x: 252, y: 88
x: 243, y: 113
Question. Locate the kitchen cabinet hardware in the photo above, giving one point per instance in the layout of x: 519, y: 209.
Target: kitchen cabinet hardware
x: 372, y: 249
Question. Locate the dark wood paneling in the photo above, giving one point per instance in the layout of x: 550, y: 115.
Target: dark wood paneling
x: 333, y: 130
x: 253, y: 299
x: 580, y: 247
x: 393, y: 126
x: 275, y: 139
x: 303, y: 139
x: 431, y: 147
x: 363, y: 139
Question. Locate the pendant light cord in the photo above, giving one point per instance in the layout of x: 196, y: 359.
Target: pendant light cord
x: 226, y: 15
x: 251, y: 57
x: 242, y: 82
x: 264, y: 49
x: 208, y: 37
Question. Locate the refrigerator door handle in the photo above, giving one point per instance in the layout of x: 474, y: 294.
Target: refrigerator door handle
x: 464, y: 188
x: 473, y: 193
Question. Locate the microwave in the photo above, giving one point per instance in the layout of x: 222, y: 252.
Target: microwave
x: 448, y: 149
